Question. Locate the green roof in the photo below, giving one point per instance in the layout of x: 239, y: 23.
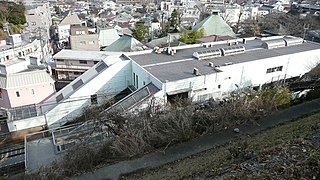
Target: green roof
x: 215, y: 25
x: 125, y: 44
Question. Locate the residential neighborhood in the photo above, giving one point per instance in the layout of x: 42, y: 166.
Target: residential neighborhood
x: 101, y: 73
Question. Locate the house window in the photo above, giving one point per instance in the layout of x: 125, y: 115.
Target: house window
x: 91, y: 42
x: 94, y: 99
x: 82, y: 43
x: 32, y: 91
x: 17, y: 93
x: 82, y: 62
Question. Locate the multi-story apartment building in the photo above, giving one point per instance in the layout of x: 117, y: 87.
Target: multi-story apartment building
x: 68, y: 64
x: 39, y: 20
x: 81, y: 40
x: 17, y: 48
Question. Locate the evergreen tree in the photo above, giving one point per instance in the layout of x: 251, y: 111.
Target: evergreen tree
x: 191, y: 36
x: 140, y: 32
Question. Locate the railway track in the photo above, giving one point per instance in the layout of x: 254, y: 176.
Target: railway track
x: 13, y: 159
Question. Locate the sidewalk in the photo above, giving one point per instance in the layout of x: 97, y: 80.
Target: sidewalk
x: 198, y: 145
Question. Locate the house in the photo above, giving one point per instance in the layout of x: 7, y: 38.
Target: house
x: 39, y: 20
x: 170, y: 40
x: 109, y: 5
x: 87, y: 42
x: 25, y: 88
x: 126, y: 43
x: 15, y: 47
x: 81, y: 40
x: 107, y: 37
x: 123, y: 17
x: 69, y: 64
x: 215, y: 25
x: 197, y: 72
x: 65, y: 26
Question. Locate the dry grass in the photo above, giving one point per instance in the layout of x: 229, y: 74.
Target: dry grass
x: 214, y: 162
x: 139, y: 134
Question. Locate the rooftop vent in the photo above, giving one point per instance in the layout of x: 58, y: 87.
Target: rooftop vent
x: 232, y: 42
x: 207, y: 45
x: 196, y: 71
x: 211, y: 64
x: 233, y: 50
x: 244, y: 41
x: 290, y: 41
x: 274, y: 44
x: 207, y: 54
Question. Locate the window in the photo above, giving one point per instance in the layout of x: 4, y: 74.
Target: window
x: 32, y: 91
x: 18, y: 93
x: 82, y: 43
x: 60, y: 60
x: 134, y: 79
x: 219, y: 86
x: 91, y: 42
x: 94, y: 99
x: 59, y: 97
x: 137, y: 81
x: 274, y: 69
x: 82, y: 62
x: 77, y: 84
x: 279, y: 68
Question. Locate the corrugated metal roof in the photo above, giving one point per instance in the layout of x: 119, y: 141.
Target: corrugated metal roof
x: 25, y: 79
x: 80, y: 55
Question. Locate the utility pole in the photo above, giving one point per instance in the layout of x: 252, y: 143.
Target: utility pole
x: 305, y: 28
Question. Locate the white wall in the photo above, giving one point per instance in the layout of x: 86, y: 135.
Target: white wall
x: 110, y: 82
x: 253, y: 73
x: 144, y: 77
x: 26, y: 123
x: 64, y: 32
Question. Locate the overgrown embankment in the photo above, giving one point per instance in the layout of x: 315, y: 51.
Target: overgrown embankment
x: 136, y: 135
x: 287, y: 151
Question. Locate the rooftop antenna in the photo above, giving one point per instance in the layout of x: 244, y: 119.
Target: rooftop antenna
x: 305, y: 28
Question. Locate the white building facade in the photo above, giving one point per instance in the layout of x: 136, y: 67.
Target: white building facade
x: 197, y: 72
